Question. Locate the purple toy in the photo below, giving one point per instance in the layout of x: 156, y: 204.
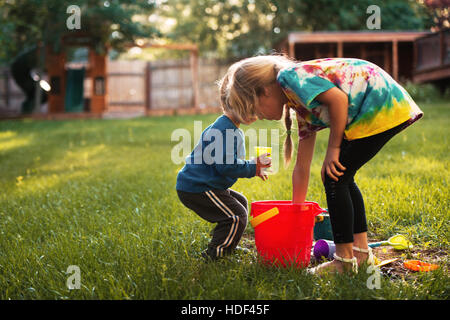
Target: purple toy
x: 324, y: 248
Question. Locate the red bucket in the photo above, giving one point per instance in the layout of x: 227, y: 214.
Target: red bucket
x: 284, y: 231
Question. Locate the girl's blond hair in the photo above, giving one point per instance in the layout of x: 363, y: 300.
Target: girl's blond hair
x: 244, y: 81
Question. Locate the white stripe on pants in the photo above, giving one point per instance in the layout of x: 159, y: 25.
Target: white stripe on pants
x: 229, y: 239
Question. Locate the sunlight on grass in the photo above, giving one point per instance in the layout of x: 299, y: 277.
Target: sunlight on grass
x: 100, y: 194
x: 14, y: 143
x: 27, y: 185
x: 7, y: 134
x: 86, y: 157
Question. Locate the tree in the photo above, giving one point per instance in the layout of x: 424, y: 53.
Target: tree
x: 220, y: 28
x: 239, y: 28
x: 112, y: 23
x: 439, y: 10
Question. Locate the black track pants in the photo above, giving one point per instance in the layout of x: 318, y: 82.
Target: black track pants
x: 228, y: 209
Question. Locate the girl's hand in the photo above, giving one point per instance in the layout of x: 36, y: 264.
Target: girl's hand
x: 337, y: 102
x: 331, y: 163
x: 263, y: 161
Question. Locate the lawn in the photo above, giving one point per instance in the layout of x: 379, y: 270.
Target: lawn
x: 100, y: 194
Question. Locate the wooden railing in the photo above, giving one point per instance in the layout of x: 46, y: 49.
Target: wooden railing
x: 432, y: 54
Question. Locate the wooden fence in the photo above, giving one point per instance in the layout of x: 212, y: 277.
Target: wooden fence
x: 135, y: 86
x: 161, y: 85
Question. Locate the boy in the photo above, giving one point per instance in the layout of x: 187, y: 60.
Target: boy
x: 214, y: 165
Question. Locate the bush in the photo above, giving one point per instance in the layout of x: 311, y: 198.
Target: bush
x: 425, y: 92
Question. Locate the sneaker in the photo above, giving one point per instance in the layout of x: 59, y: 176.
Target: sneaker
x: 242, y: 250
x: 207, y: 257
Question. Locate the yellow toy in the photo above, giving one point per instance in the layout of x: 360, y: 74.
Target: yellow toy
x: 398, y: 242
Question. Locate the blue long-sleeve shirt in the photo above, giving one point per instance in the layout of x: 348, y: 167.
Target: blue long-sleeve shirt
x: 217, y: 160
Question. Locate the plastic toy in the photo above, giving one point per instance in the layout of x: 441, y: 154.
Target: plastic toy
x: 324, y: 249
x: 262, y: 150
x: 284, y: 231
x: 322, y: 227
x: 417, y: 265
x: 384, y: 262
x: 398, y: 242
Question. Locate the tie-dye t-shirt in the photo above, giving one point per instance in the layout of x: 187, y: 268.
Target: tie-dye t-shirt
x: 376, y: 101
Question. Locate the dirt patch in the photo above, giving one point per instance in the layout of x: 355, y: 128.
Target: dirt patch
x: 395, y: 269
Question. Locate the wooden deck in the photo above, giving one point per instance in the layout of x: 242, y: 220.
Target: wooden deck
x: 391, y: 50
x: 432, y: 62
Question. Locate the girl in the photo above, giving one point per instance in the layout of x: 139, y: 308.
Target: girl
x: 361, y: 105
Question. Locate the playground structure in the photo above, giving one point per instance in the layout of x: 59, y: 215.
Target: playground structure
x: 67, y: 75
x: 26, y: 78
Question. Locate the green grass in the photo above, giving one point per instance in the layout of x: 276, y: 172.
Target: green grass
x: 100, y: 194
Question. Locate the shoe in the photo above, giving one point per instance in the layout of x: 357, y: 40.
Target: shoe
x: 371, y: 259
x: 207, y: 257
x: 323, y: 267
x: 242, y: 250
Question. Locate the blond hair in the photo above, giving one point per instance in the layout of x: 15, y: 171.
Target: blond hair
x: 245, y: 81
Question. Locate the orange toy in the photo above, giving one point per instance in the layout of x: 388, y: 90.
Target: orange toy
x: 417, y: 265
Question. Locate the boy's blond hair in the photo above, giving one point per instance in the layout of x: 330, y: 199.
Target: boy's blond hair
x: 244, y: 81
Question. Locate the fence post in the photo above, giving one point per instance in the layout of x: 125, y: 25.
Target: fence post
x: 395, y: 59
x: 291, y: 49
x: 6, y: 73
x: 194, y: 70
x: 386, y: 58
x: 442, y: 48
x: 148, y: 89
x: 340, y: 49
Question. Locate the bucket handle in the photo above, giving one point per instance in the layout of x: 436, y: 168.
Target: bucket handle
x: 317, y: 209
x: 264, y: 216
x: 274, y: 211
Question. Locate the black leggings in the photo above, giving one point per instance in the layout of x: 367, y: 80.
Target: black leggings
x: 344, y: 200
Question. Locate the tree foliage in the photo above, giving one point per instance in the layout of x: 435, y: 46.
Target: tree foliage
x: 440, y: 12
x: 111, y: 23
x: 235, y: 28
x: 221, y: 28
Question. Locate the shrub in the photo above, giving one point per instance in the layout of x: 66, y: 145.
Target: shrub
x: 425, y: 92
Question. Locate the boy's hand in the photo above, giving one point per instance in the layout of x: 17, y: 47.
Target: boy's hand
x: 263, y: 161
